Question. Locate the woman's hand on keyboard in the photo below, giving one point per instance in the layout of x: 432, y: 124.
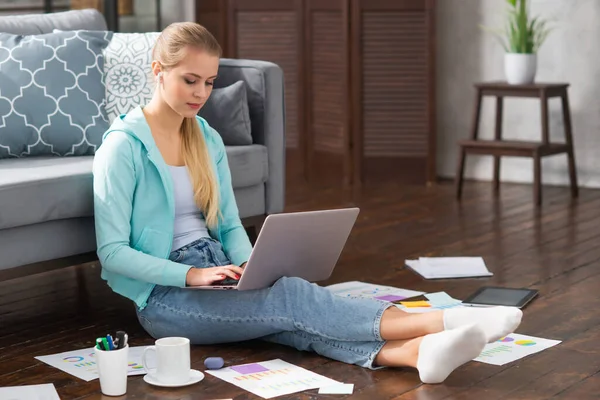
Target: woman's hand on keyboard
x: 208, y: 276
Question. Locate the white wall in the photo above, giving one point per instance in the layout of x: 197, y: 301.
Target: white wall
x: 466, y: 54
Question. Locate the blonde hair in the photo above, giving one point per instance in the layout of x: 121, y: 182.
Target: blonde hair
x: 170, y: 49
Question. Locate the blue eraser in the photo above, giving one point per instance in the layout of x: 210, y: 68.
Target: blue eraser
x: 214, y: 363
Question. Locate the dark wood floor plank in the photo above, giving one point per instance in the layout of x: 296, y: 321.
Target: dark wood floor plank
x: 586, y: 389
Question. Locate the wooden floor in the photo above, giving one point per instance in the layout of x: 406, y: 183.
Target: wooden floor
x: 554, y: 249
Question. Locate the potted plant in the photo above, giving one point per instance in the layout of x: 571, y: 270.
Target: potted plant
x: 521, y: 39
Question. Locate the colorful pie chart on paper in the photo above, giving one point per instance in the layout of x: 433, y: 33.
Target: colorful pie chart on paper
x: 525, y: 342
x: 506, y: 339
x: 73, y: 359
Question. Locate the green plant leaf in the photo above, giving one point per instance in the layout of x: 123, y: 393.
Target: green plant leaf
x: 523, y: 26
x: 521, y: 34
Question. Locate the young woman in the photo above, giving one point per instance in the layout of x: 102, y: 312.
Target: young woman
x: 166, y: 218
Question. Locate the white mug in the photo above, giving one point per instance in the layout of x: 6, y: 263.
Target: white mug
x: 172, y: 360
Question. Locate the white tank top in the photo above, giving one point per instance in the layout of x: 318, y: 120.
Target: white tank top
x: 189, y: 220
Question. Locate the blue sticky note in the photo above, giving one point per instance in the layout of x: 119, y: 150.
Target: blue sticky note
x: 440, y: 299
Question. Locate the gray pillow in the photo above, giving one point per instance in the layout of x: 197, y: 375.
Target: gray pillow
x: 52, y: 93
x: 227, y: 112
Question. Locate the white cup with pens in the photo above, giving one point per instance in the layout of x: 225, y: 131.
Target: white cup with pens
x: 111, y: 360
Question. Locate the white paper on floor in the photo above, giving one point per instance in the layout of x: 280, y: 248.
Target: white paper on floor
x: 363, y: 290
x: 29, y: 392
x: 342, y: 388
x: 82, y: 363
x: 449, y: 267
x: 272, y: 378
x: 512, y: 348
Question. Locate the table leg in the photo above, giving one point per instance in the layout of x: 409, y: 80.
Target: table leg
x: 537, y: 178
x: 498, y: 136
x: 569, y: 141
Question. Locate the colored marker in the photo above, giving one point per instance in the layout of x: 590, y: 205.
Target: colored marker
x: 111, y: 344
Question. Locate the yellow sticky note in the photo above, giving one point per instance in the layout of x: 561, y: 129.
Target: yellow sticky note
x: 421, y: 303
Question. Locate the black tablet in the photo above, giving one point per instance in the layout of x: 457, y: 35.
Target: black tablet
x: 500, y: 296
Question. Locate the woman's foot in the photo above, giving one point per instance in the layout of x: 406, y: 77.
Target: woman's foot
x: 496, y: 322
x: 441, y: 353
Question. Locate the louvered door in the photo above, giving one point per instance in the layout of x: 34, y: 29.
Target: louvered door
x: 359, y: 81
x: 392, y: 53
x: 271, y: 30
x: 327, y: 60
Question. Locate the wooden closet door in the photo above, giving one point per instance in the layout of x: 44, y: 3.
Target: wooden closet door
x: 327, y: 90
x: 393, y: 104
x: 271, y: 30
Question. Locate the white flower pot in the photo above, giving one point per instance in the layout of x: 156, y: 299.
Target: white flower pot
x: 520, y: 68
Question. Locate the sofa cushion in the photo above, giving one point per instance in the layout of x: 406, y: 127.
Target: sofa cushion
x: 52, y: 93
x: 227, y: 112
x: 248, y: 165
x: 127, y: 60
x: 32, y: 24
x: 40, y: 189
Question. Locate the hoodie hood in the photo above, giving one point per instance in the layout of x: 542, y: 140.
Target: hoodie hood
x: 134, y: 124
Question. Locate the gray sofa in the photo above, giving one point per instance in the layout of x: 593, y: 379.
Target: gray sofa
x: 46, y: 203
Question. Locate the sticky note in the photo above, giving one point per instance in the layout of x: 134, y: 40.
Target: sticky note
x: 440, y: 298
x: 421, y: 303
x: 342, y: 388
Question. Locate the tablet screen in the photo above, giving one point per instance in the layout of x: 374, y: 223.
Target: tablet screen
x: 500, y: 296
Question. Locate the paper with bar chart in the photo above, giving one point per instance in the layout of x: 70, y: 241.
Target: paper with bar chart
x: 272, y: 378
x: 363, y: 290
x: 82, y: 363
x: 513, y: 347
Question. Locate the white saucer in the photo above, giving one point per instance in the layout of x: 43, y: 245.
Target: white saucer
x: 195, y: 377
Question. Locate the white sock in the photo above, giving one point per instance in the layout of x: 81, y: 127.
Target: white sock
x: 496, y: 322
x: 443, y: 352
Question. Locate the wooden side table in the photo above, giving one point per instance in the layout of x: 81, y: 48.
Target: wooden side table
x: 535, y: 150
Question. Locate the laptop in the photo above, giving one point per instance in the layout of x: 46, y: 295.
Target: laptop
x: 298, y: 244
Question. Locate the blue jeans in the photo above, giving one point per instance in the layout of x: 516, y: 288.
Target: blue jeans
x: 292, y: 312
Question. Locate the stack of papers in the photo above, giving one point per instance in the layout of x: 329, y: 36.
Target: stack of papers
x: 435, y: 301
x: 449, y: 267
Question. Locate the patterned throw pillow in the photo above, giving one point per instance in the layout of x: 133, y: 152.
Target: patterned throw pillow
x: 128, y: 74
x: 52, y: 93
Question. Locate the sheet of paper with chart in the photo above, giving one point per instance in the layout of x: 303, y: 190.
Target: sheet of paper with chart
x: 365, y: 290
x: 512, y: 348
x: 82, y: 363
x: 272, y: 378
x: 431, y: 301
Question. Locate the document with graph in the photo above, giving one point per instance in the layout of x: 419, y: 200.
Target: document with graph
x: 272, y: 378
x: 82, y: 363
x: 512, y: 348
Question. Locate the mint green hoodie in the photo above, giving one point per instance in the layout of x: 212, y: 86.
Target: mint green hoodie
x: 134, y: 209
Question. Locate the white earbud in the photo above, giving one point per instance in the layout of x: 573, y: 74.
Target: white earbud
x: 159, y: 76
